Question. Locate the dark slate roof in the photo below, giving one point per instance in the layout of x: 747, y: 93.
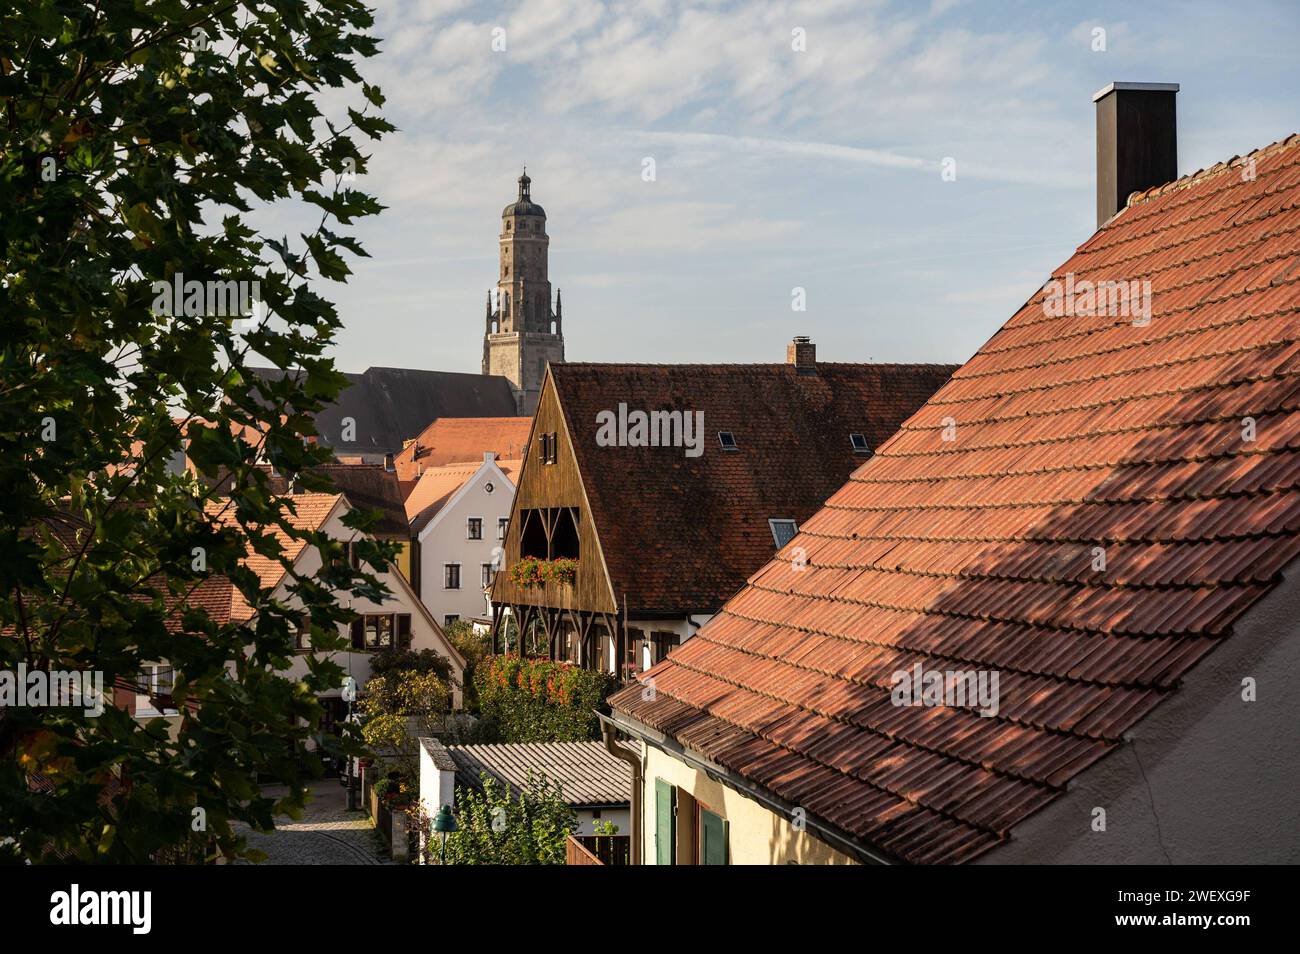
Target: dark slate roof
x: 586, y: 771
x: 393, y: 405
x: 975, y: 549
x: 682, y: 534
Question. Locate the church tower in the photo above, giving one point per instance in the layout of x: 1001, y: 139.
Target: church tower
x: 523, y: 331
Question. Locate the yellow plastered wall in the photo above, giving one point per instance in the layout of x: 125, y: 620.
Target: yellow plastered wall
x: 756, y: 836
x: 404, y: 560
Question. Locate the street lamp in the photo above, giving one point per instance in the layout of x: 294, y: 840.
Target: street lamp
x: 444, y: 823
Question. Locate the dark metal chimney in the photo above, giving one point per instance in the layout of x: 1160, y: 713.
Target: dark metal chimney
x: 1137, y: 142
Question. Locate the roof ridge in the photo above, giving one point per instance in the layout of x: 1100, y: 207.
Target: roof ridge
x: 1201, y: 175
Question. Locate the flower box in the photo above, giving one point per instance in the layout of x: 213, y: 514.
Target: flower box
x: 531, y: 571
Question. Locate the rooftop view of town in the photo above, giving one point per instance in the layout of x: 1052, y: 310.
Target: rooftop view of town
x: 913, y: 477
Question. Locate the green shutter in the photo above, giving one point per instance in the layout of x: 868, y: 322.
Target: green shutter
x: 665, y: 819
x: 713, y: 838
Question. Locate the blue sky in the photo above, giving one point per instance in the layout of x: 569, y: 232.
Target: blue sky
x: 775, y: 168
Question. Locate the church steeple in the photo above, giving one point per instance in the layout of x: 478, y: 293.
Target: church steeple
x: 523, y: 333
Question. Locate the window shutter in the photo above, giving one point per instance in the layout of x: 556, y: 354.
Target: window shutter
x: 359, y: 633
x: 403, y: 630
x: 665, y: 823
x: 713, y: 838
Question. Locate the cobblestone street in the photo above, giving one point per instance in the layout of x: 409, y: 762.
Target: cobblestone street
x: 327, y: 833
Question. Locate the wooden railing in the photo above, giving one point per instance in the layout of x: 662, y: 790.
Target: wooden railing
x: 598, y: 850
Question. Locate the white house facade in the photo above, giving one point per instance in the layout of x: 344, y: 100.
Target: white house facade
x: 459, y: 537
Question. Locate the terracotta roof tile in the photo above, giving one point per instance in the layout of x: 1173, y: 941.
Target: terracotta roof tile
x: 1070, y: 432
x: 711, y: 512
x: 437, y: 485
x: 458, y: 440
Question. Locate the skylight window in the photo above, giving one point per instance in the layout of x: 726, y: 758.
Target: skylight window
x: 859, y: 442
x: 783, y: 531
x: 727, y: 440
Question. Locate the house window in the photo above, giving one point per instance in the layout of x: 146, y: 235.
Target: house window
x: 487, y: 574
x: 349, y: 556
x: 548, y: 448
x: 379, y: 632
x: 449, y: 619
x: 665, y: 823
x: 713, y: 838
x: 451, y: 576
x: 302, y: 634
x: 502, y: 523
x: 727, y: 440
x: 859, y: 442
x: 155, y: 681
x: 661, y: 644
x: 154, y: 690
x: 783, y: 531
x: 474, y: 528
x: 632, y: 662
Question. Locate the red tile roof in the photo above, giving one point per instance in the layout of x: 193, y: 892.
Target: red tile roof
x: 309, y: 513
x: 437, y: 485
x: 368, y: 487
x: 709, y: 514
x: 458, y: 440
x: 1071, y: 433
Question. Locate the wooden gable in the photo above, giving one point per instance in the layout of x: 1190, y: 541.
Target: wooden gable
x: 551, y: 517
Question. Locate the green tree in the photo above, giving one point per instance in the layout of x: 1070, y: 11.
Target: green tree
x: 475, y: 647
x: 136, y: 137
x: 499, y: 826
x: 403, y: 704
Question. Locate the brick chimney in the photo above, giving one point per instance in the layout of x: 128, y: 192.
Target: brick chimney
x: 802, y: 353
x: 1137, y: 142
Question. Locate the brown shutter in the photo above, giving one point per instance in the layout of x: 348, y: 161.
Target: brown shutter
x: 403, y: 630
x: 359, y: 633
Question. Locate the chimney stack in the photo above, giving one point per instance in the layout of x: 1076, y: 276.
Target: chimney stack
x: 1137, y: 142
x: 802, y: 353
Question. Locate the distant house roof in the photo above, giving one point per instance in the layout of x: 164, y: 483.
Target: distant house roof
x: 392, y: 405
x: 970, y: 541
x: 586, y: 771
x: 367, y: 487
x: 311, y: 512
x: 437, y: 485
x: 454, y: 440
x: 681, y: 534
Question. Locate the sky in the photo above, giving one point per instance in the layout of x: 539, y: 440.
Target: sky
x: 775, y: 168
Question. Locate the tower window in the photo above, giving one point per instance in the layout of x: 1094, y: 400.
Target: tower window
x: 727, y: 440
x: 860, y: 445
